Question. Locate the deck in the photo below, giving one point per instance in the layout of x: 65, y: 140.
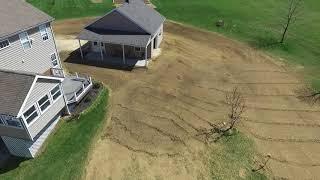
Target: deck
x: 75, y: 87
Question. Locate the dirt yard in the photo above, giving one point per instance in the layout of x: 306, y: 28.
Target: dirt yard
x: 155, y: 113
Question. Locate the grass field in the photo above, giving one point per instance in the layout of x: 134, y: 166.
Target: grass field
x: 257, y: 23
x: 234, y: 155
x: 66, y: 150
x: 62, y: 9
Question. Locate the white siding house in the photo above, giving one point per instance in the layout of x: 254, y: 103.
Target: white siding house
x: 34, y: 90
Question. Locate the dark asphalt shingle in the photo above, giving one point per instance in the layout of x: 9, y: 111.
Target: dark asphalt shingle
x: 14, y: 87
x: 132, y: 23
x: 17, y: 15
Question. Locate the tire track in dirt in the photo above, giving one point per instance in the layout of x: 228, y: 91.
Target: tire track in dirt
x: 284, y: 124
x: 292, y: 162
x: 292, y: 140
x: 172, y: 137
x: 115, y: 140
x: 181, y: 107
x: 156, y: 116
x: 247, y: 94
x: 184, y: 102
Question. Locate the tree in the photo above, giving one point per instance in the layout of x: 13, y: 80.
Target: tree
x: 309, y: 95
x: 236, y: 103
x: 291, y: 17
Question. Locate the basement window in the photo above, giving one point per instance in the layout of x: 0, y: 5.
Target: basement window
x: 30, y: 114
x: 55, y: 93
x: 44, y: 103
x: 4, y: 44
x: 44, y: 32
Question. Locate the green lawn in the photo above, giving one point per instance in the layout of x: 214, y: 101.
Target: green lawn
x: 233, y: 159
x: 66, y: 150
x: 256, y: 22
x: 62, y: 9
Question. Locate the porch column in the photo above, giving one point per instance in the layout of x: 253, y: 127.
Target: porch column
x: 123, y: 55
x: 80, y: 49
x: 101, y: 53
x: 146, y: 56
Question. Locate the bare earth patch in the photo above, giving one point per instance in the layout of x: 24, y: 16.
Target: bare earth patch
x: 155, y: 113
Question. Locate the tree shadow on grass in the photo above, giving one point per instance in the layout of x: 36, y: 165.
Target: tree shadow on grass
x: 12, y: 163
x: 265, y: 42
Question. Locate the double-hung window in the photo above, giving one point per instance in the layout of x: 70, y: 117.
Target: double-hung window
x: 55, y: 92
x: 44, y: 103
x: 25, y: 41
x: 4, y: 44
x: 31, y: 114
x: 44, y: 32
x: 54, y: 59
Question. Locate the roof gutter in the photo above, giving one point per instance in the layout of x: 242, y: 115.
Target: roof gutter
x: 25, y: 29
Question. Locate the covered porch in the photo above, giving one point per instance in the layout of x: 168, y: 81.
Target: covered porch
x: 117, y: 50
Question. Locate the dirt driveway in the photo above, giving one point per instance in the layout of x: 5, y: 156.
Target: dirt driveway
x: 156, y: 113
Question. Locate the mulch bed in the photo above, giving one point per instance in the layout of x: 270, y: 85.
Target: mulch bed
x: 87, y: 100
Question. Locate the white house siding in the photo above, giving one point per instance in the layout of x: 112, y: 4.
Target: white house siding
x: 41, y: 88
x: 45, y: 118
x: 37, y: 59
x: 27, y: 148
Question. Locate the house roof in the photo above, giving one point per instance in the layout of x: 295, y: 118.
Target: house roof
x: 134, y: 40
x: 14, y: 87
x: 131, y: 24
x: 143, y: 15
x: 17, y: 15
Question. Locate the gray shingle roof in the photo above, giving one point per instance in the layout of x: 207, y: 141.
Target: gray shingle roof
x: 14, y: 87
x: 17, y: 15
x: 143, y: 15
x: 134, y: 40
x: 130, y: 24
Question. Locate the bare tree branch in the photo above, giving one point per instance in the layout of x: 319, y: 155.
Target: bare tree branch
x: 291, y: 17
x: 236, y: 103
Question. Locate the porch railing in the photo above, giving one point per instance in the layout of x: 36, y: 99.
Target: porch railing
x: 86, y: 85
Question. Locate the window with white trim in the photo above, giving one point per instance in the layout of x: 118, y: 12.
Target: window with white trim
x: 44, y: 103
x: 25, y: 41
x: 55, y: 92
x: 54, y: 59
x: 44, y: 32
x: 4, y: 44
x: 31, y: 114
